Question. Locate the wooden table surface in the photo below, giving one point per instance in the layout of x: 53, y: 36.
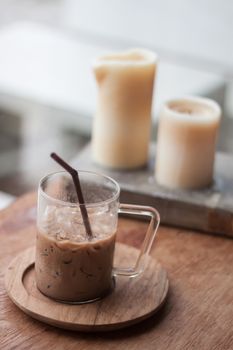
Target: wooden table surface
x: 198, y: 313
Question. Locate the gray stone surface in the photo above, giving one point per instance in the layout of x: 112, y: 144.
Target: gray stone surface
x: 210, y: 209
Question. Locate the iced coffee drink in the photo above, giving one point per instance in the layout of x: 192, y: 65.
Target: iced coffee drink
x: 68, y: 266
x: 74, y: 266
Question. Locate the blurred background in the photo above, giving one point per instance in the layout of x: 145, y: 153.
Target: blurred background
x: 48, y: 93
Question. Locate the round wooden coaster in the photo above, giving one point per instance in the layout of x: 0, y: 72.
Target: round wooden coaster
x: 132, y: 300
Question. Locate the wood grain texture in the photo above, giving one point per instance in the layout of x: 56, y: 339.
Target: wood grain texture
x: 197, y: 315
x: 209, y: 210
x: 131, y: 301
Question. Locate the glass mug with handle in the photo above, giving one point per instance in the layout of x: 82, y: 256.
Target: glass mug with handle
x: 70, y: 266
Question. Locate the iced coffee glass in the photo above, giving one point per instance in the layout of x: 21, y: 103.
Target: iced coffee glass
x: 71, y: 266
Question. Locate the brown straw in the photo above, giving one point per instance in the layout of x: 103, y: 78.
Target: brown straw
x: 73, y: 172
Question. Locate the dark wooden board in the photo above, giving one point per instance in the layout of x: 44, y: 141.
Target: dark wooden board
x: 209, y: 210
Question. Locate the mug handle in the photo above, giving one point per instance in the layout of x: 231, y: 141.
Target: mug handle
x: 140, y: 210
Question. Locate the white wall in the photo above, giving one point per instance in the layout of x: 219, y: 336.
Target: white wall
x: 196, y: 32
